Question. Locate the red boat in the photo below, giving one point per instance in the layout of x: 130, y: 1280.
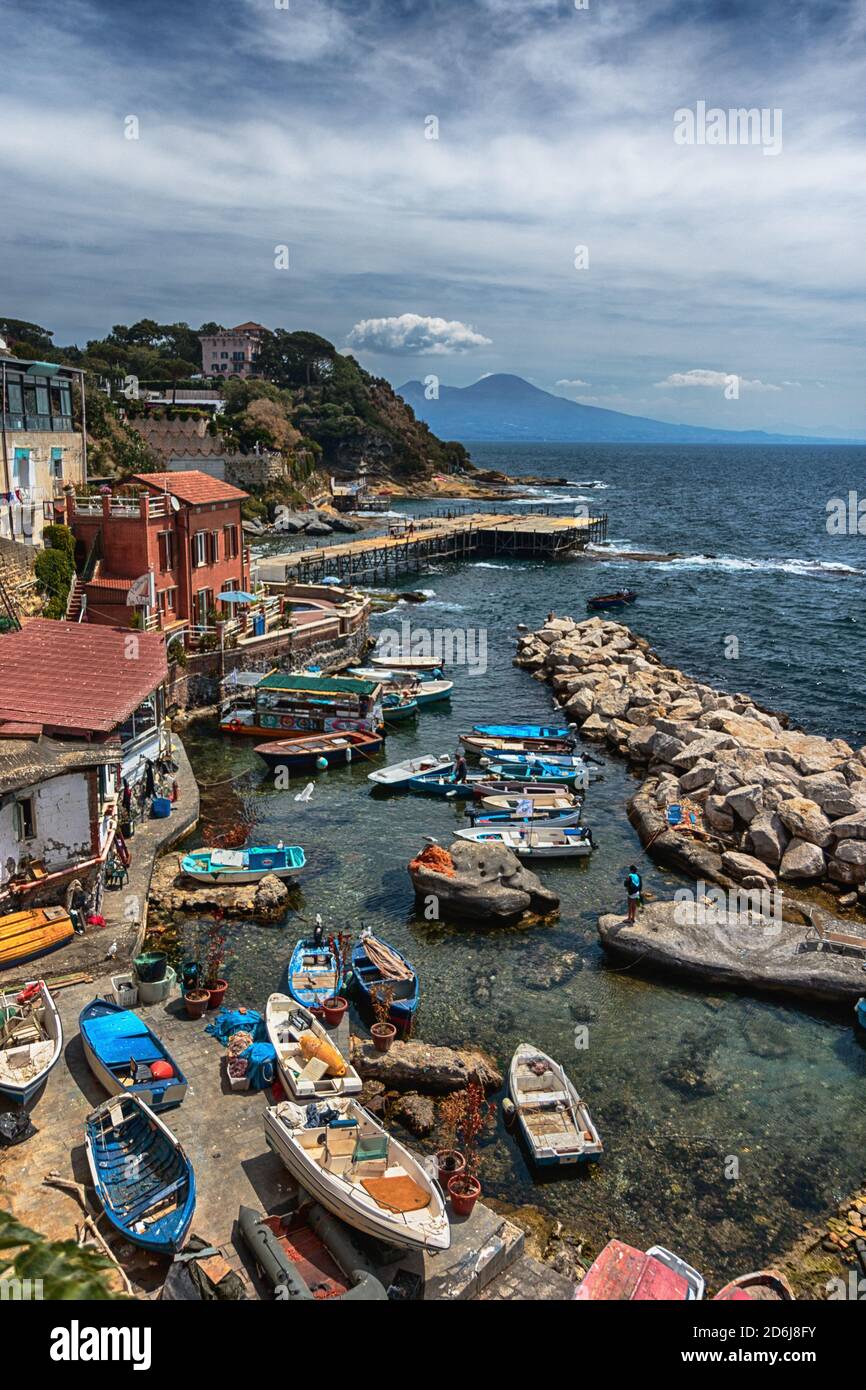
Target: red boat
x: 622, y: 1273
x: 319, y: 750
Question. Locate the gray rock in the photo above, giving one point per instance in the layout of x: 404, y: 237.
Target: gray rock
x: 665, y: 747
x: 746, y: 802
x: 489, y: 883
x: 802, y: 860
x: 805, y: 820
x: 851, y: 827
x: 700, y: 775
x: 416, y: 1066
x: 745, y: 867
x: 768, y: 838
x: 416, y: 1113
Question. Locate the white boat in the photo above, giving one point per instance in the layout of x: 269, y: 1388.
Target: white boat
x: 401, y: 774
x: 406, y: 663
x: 571, y: 816
x: 306, y: 1077
x: 423, y: 692
x: 572, y: 761
x: 695, y: 1281
x: 534, y: 841
x: 556, y: 1123
x: 31, y: 1038
x: 361, y: 1174
x: 548, y: 803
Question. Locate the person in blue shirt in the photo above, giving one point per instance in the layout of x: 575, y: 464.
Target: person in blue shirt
x: 634, y: 890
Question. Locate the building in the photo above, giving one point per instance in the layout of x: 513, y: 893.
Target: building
x: 232, y: 352
x: 41, y: 449
x: 182, y: 529
x: 181, y: 445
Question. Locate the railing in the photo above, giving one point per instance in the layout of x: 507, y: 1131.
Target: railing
x: 122, y: 505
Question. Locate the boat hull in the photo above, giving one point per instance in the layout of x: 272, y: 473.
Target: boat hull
x: 547, y: 1157
x: 399, y: 775
x: 104, y: 1054
x: 330, y: 968
x: 307, y: 760
x: 301, y: 1093
x: 136, y: 1162
x: 365, y: 980
x: 24, y: 1092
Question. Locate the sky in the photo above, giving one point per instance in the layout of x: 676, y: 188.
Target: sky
x: 459, y: 187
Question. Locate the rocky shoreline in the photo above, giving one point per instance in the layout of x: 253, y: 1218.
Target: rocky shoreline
x: 767, y: 805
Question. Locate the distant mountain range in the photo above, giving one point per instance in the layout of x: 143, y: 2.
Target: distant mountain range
x: 504, y: 407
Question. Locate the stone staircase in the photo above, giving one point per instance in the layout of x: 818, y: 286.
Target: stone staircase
x: 75, y: 601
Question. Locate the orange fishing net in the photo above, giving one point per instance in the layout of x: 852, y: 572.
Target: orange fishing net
x: 436, y: 858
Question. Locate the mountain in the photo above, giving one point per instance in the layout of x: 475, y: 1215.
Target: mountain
x: 504, y: 407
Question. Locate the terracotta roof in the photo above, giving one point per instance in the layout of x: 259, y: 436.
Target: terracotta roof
x: 77, y: 676
x: 249, y: 327
x: 192, y: 486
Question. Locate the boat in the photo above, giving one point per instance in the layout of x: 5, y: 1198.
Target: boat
x: 424, y: 692
x: 622, y: 1273
x: 142, y: 1176
x: 575, y: 761
x: 674, y: 1262
x: 309, y: 754
x: 484, y: 745
x: 522, y: 731
x: 31, y: 1039
x: 127, y: 1057
x: 441, y: 783
x: 229, y: 866
x: 619, y: 599
x: 400, y: 774
x: 303, y: 1046
x: 547, y: 818
x: 555, y: 1122
x: 396, y: 708
x: 406, y: 663
x: 309, y: 1254
x: 24, y: 936
x: 534, y: 842
x: 432, y: 692
x: 315, y: 972
x: 764, y: 1285
x: 360, y: 1173
x: 550, y: 802
x: 489, y: 786
x: 536, y: 772
x: 375, y: 963
x: 280, y: 705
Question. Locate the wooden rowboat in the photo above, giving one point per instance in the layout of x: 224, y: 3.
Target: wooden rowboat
x: 533, y: 842
x: 35, y: 932
x: 142, y: 1176
x: 555, y: 1122
x: 127, y: 1057
x: 231, y: 866
x: 401, y: 774
x: 374, y: 964
x: 306, y: 1073
x: 31, y: 1039
x: 308, y: 754
x: 315, y: 973
x: 487, y: 745
x: 622, y: 1273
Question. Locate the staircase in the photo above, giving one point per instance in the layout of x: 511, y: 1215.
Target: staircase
x: 75, y: 604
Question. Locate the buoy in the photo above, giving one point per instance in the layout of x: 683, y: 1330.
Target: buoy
x: 321, y: 763
x: 162, y: 1071
x: 348, y: 755
x: 509, y: 1112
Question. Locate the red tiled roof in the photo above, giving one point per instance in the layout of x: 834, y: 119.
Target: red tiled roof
x: 192, y: 486
x: 77, y: 676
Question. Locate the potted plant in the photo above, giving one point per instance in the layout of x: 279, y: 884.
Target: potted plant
x: 464, y: 1189
x: 214, y: 961
x: 196, y: 1002
x: 334, y: 1008
x: 383, y: 1031
x: 449, y: 1159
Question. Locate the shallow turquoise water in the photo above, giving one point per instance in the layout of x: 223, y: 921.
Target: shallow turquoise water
x: 681, y: 1084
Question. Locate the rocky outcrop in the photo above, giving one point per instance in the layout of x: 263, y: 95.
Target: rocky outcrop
x: 484, y: 883
x: 172, y: 891
x: 421, y: 1067
x: 736, y: 948
x: 764, y: 799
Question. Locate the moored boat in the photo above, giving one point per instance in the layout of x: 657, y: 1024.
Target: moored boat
x: 555, y: 1122
x: 406, y: 663
x: 623, y: 1273
x: 423, y: 691
x: 127, y: 1057
x: 309, y: 754
x: 375, y: 964
x: 315, y: 972
x: 549, y: 802
x: 141, y: 1174
x: 569, y: 817
x: 540, y: 772
x: 764, y: 1285
x: 534, y: 842
x: 441, y: 783
x: 618, y: 599
x: 31, y: 1039
x: 486, y: 745
x: 310, y: 1064
x: 397, y: 707
x: 401, y: 774
x: 280, y: 705
x: 523, y: 731
x: 230, y: 866
x: 360, y: 1173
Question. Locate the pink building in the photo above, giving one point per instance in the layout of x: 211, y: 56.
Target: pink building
x: 233, y: 352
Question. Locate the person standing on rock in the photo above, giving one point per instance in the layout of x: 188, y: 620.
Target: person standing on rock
x: 634, y: 891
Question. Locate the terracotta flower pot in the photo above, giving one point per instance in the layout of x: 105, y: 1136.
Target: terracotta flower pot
x: 450, y: 1163
x: 334, y: 1009
x: 196, y: 1002
x: 464, y: 1192
x: 217, y: 992
x: 383, y: 1034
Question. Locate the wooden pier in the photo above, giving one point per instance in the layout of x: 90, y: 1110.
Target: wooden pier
x: 433, y: 541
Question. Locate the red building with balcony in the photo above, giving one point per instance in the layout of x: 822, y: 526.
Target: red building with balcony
x: 183, y: 529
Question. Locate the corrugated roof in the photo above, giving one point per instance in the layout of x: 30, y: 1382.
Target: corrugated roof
x: 192, y: 486
x: 26, y: 763
x: 77, y: 676
x: 320, y: 685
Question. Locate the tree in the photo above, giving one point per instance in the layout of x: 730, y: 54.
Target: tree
x: 176, y: 369
x: 295, y: 359
x: 27, y: 339
x: 65, y: 1269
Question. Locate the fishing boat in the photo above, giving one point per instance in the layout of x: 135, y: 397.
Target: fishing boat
x: 360, y: 1173
x: 31, y: 1038
x: 536, y: 772
x: 486, y: 745
x: 230, y: 866
x: 311, y: 1067
x: 550, y: 802
x: 424, y: 692
x: 568, y: 817
x: 406, y: 663
x: 307, y: 1254
x: 442, y: 783
x: 142, y: 1176
x: 534, y: 842
x: 489, y: 786
x: 396, y: 708
x: 522, y: 731
x: 764, y: 1285
x: 555, y: 1122
x: 622, y: 1273
x: 24, y: 936
x: 280, y: 705
x: 319, y: 750
x: 400, y: 774
x: 375, y: 964
x: 315, y: 972
x: 573, y: 761
x: 695, y: 1281
x: 619, y: 599
x: 127, y: 1058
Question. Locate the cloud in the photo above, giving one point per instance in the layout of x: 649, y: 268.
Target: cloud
x: 415, y: 335
x: 575, y: 381
x: 703, y: 376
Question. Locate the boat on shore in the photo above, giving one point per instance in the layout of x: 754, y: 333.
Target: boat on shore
x: 376, y: 964
x: 310, y: 1065
x: 141, y: 1174
x: 399, y: 775
x: 360, y: 1173
x: 307, y: 754
x: 624, y: 1274
x: 31, y: 1040
x: 127, y: 1057
x: 309, y: 1255
x: 765, y: 1285
x: 534, y: 842
x: 618, y: 599
x: 34, y: 932
x: 238, y: 866
x: 315, y: 972
x: 555, y: 1122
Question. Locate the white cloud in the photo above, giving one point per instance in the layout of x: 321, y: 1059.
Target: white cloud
x: 703, y: 376
x: 575, y: 381
x: 415, y: 335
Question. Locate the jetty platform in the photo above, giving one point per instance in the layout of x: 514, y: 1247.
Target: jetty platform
x: 432, y: 541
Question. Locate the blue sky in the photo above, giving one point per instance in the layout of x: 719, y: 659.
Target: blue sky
x: 262, y: 126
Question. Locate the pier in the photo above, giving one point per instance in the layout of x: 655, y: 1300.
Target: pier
x: 433, y: 541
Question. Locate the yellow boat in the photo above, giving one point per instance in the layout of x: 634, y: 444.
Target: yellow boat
x: 31, y: 933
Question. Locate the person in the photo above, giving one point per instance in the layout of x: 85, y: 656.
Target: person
x: 634, y: 890
x: 461, y: 768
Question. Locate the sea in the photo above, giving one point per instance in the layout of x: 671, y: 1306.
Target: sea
x: 730, y: 1122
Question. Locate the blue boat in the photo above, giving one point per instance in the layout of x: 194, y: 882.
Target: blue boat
x: 142, y: 1176
x: 540, y: 772
x: 395, y: 708
x: 521, y: 731
x: 243, y: 865
x: 860, y: 1011
x: 315, y: 973
x: 127, y: 1058
x: 375, y: 963
x: 555, y: 818
x: 441, y: 783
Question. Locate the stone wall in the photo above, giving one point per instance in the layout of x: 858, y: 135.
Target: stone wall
x: 17, y: 571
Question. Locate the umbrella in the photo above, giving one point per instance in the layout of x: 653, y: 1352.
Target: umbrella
x: 236, y: 596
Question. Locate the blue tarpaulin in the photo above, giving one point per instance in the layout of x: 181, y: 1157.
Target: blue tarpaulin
x: 261, y: 1060
x: 229, y: 1021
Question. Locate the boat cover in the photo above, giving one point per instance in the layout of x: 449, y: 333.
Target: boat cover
x: 229, y: 1021
x: 116, y: 1038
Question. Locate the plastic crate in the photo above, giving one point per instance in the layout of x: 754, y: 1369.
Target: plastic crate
x: 125, y: 991
x: 237, y: 1083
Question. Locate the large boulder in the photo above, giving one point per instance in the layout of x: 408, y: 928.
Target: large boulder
x: 804, y: 820
x: 851, y: 827
x: 848, y: 864
x: 768, y: 838
x: 746, y: 802
x: 747, y: 870
x: 482, y: 882
x: 421, y: 1067
x: 802, y: 861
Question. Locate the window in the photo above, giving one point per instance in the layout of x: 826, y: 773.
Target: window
x: 165, y: 541
x: 167, y: 602
x: 21, y: 475
x: 230, y: 542
x: 144, y: 720
x: 214, y: 547
x: 57, y: 464
x: 202, y: 605
x: 25, y: 817
x: 199, y: 551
